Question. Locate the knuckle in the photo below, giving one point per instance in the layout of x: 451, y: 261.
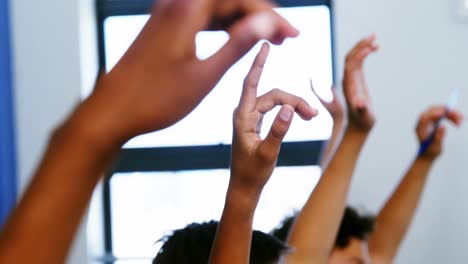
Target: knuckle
x: 422, y: 118
x: 266, y: 155
x: 433, y: 108
x: 277, y: 131
x: 236, y: 117
x: 238, y: 120
x: 300, y: 100
x: 348, y: 58
x: 259, y: 65
x: 276, y: 91
x: 235, y: 112
x: 247, y: 81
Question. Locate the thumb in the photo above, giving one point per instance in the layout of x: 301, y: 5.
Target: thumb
x: 272, y: 143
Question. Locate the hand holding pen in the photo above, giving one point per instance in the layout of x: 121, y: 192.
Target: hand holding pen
x: 431, y: 132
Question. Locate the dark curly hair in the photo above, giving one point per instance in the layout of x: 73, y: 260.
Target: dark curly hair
x: 353, y: 225
x: 192, y: 244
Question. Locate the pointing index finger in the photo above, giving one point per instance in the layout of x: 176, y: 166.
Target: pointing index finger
x: 249, y: 92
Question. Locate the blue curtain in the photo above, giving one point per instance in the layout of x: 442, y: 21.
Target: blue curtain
x: 7, y: 139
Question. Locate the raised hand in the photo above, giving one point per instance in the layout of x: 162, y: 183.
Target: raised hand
x: 157, y: 82
x: 228, y: 12
x: 313, y: 237
x: 160, y: 80
x: 252, y: 161
x: 428, y: 121
x: 335, y: 107
x: 394, y: 219
x: 356, y: 93
x: 338, y: 112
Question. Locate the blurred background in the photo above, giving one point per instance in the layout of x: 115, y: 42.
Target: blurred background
x: 50, y: 55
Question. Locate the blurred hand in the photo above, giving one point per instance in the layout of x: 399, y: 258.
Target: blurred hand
x: 253, y: 159
x: 228, y: 12
x: 160, y: 80
x: 335, y: 107
x: 426, y: 126
x: 356, y: 93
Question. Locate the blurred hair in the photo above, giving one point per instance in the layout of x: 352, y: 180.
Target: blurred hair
x: 353, y: 225
x: 193, y: 243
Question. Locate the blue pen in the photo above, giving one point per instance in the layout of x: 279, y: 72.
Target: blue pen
x: 450, y: 105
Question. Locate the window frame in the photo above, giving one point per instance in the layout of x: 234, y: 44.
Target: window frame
x: 189, y: 157
x: 8, y: 160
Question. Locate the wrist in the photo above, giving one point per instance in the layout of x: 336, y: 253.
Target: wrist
x: 110, y: 111
x: 428, y: 160
x: 91, y: 124
x: 243, y: 196
x: 339, y: 119
x: 354, y: 129
x: 422, y: 166
x: 338, y: 126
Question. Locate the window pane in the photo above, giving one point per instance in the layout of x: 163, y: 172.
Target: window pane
x: 145, y: 206
x: 289, y: 68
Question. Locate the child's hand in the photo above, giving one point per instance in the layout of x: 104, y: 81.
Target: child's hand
x: 356, y: 93
x: 160, y: 80
x: 335, y: 107
x: 254, y: 159
x: 425, y: 126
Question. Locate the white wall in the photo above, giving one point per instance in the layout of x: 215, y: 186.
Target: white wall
x: 48, y: 76
x: 423, y: 57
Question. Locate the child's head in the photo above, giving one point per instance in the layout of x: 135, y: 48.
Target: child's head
x: 193, y: 243
x: 351, y: 241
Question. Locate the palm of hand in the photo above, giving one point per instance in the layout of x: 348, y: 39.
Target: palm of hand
x: 360, y: 110
x: 253, y: 158
x: 251, y: 165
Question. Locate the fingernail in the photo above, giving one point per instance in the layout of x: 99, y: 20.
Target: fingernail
x: 285, y: 114
x: 263, y: 25
x: 315, y: 112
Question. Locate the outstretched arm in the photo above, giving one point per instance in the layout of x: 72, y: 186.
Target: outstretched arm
x: 154, y: 85
x: 252, y: 161
x: 338, y: 113
x: 314, y: 231
x: 395, y: 217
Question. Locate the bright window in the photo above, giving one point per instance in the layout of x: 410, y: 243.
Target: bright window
x: 289, y: 67
x: 145, y: 206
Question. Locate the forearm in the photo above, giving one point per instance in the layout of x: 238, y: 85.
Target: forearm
x: 395, y: 217
x: 314, y: 231
x: 234, y: 235
x: 41, y: 229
